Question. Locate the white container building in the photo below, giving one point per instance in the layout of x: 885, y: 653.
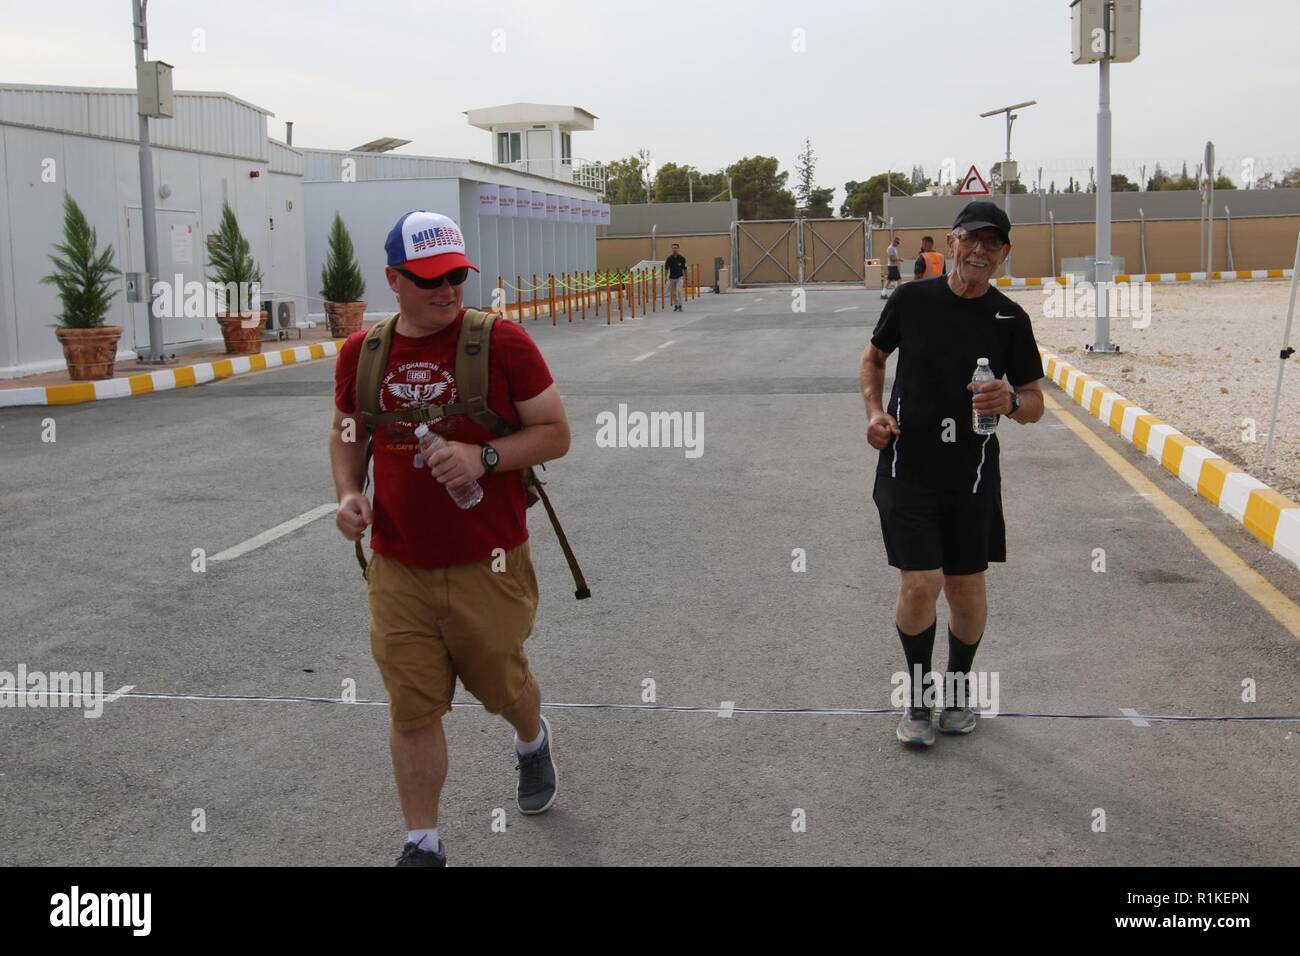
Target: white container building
x: 524, y: 218
x: 83, y: 141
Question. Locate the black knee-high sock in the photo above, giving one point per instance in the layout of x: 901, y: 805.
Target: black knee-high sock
x: 918, y: 649
x: 960, y: 658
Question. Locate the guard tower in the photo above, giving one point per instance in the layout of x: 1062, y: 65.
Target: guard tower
x: 537, y: 138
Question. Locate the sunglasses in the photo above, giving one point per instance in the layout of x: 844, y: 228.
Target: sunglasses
x: 455, y: 277
x: 991, y: 243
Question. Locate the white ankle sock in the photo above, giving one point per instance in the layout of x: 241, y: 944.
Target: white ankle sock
x: 532, y: 746
x: 425, y: 839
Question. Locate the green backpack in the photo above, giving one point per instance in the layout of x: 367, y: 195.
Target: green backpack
x: 472, y: 354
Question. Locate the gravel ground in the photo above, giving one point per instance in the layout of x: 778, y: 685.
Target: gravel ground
x: 1206, y: 363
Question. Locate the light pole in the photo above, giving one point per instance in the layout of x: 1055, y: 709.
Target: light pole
x: 153, y: 98
x: 1102, y: 31
x: 1007, y: 172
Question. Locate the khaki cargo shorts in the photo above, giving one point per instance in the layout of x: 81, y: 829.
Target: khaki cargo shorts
x: 429, y: 626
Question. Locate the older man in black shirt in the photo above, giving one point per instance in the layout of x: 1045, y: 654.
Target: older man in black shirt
x: 938, y: 484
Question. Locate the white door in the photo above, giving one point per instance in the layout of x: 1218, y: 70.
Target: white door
x: 180, y: 253
x: 540, y: 158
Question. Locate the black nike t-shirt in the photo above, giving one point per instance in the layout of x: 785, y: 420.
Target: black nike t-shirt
x: 940, y: 337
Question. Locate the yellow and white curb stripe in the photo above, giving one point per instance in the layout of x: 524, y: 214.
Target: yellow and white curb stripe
x: 166, y: 379
x: 1025, y: 282
x: 1271, y: 517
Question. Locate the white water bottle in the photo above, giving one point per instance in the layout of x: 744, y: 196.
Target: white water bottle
x: 983, y: 424
x: 466, y: 496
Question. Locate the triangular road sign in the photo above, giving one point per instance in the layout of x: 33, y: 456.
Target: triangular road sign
x: 972, y: 184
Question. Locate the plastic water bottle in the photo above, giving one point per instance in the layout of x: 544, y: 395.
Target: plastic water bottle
x: 983, y: 424
x: 466, y: 496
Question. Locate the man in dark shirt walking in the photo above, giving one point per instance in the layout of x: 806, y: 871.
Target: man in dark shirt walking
x: 938, y: 484
x: 676, y: 266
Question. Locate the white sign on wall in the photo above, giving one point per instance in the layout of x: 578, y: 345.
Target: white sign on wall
x: 487, y: 199
x: 552, y: 207
x: 182, y: 245
x: 562, y: 208
x: 539, y: 205
x: 506, y: 200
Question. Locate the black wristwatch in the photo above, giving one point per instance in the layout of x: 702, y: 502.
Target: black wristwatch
x: 1015, y: 402
x: 491, y: 458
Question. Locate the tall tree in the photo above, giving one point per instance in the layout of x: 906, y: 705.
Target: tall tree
x: 819, y: 206
x: 625, y: 179
x: 673, y: 183
x: 861, y: 198
x: 805, y: 166
x: 759, y: 188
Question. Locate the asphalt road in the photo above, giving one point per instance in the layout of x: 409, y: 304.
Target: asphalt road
x: 689, y: 561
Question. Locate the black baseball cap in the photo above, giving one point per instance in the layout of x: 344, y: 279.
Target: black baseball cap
x: 984, y: 215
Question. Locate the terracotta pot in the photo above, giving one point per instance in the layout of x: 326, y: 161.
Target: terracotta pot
x: 344, y: 318
x: 90, y: 353
x: 240, y: 340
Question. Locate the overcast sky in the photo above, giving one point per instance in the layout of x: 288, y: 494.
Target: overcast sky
x: 876, y: 85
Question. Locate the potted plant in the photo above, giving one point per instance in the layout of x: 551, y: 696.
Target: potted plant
x: 82, y: 277
x: 342, y: 287
x: 235, y: 275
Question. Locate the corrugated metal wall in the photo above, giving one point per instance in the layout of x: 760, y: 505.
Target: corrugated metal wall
x: 205, y: 123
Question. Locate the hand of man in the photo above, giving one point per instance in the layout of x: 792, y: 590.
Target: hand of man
x: 457, y: 464
x: 353, y: 516
x: 991, y: 398
x: 881, y: 428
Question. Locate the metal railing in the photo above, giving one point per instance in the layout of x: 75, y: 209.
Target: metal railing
x: 580, y: 172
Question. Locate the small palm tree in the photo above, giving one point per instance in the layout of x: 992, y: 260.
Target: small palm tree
x: 232, y: 263
x: 340, y: 277
x: 82, y: 275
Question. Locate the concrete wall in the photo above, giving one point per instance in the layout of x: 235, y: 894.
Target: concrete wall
x: 676, y: 218
x: 103, y: 176
x: 1172, y: 245
x: 620, y: 253
x: 940, y: 211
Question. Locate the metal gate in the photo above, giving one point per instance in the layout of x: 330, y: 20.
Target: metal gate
x: 797, y: 251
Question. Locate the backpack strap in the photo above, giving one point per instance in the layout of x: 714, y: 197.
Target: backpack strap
x: 371, y: 364
x: 473, y: 354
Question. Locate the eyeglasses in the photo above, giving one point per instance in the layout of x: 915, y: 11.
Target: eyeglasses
x: 455, y: 277
x: 991, y: 243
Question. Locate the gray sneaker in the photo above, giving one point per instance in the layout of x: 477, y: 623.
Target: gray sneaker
x: 917, y: 727
x: 537, y: 777
x: 957, y: 720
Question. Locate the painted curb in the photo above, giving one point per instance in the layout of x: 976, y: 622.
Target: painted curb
x: 1270, y: 516
x: 1025, y: 282
x: 165, y: 380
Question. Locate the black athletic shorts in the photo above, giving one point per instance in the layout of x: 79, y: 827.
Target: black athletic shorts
x: 892, y: 275
x: 925, y: 528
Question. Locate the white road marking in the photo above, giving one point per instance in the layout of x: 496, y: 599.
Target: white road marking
x: 741, y: 309
x: 668, y: 343
x: 643, y: 357
x: 271, y: 534
x: 726, y: 708
x: 848, y: 308
x: 1134, y: 716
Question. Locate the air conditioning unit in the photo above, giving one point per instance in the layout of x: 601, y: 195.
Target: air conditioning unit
x: 280, y: 314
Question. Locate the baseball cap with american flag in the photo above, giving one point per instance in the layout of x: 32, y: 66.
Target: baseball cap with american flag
x: 427, y: 244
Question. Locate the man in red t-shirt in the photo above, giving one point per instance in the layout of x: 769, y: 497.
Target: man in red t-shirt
x: 452, y: 592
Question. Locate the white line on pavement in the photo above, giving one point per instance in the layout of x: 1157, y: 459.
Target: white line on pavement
x: 741, y: 309
x: 642, y: 357
x: 848, y: 308
x: 1133, y: 715
x: 668, y: 343
x: 279, y: 531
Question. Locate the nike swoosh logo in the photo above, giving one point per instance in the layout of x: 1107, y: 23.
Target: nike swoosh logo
x: 999, y: 315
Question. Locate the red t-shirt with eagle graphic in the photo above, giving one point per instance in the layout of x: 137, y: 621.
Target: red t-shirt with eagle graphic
x: 415, y: 520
